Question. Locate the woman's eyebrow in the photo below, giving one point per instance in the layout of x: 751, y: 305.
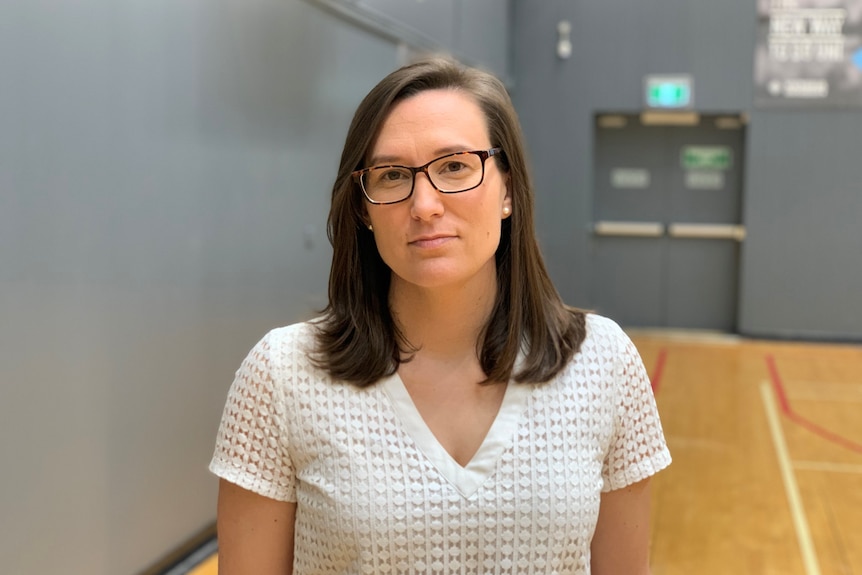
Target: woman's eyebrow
x: 383, y: 160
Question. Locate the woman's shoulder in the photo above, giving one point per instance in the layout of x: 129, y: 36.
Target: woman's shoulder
x: 605, y: 342
x: 290, y: 344
x: 283, y: 361
x: 298, y: 333
x: 602, y: 329
x: 604, y: 348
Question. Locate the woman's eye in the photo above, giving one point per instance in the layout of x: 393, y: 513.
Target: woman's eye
x: 393, y: 175
x: 453, y: 166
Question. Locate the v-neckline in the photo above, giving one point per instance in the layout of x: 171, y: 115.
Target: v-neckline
x: 468, y: 478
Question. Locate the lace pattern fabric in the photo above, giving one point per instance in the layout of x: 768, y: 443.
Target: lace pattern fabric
x: 372, y: 497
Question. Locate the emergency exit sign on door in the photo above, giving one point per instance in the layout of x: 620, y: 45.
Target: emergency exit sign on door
x: 669, y: 92
x: 706, y: 158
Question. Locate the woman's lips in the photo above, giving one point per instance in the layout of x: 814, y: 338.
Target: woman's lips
x: 428, y: 242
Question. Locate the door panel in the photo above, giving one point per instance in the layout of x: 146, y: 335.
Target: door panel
x: 701, y: 275
x: 704, y: 204
x: 629, y: 273
x: 631, y: 148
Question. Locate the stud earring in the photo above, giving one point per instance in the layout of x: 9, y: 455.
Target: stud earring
x: 507, y: 210
x: 370, y: 228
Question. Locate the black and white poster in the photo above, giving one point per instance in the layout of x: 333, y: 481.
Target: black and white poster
x: 809, y: 54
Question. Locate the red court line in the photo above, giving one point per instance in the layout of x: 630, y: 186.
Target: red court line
x: 798, y: 419
x: 655, y: 380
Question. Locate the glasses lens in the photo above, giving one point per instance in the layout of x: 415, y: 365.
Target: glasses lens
x: 388, y: 183
x: 457, y: 172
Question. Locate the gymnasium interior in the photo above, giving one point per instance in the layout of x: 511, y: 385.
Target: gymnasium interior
x: 165, y: 176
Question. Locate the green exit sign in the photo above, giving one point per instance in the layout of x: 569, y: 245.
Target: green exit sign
x: 706, y: 158
x: 669, y: 92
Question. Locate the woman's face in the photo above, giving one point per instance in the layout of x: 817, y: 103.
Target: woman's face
x: 431, y: 239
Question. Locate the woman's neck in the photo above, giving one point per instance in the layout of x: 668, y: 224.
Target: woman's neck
x: 444, y: 322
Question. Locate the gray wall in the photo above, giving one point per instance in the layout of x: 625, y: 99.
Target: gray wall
x: 165, y: 170
x: 476, y: 31
x: 801, y: 270
x: 164, y: 186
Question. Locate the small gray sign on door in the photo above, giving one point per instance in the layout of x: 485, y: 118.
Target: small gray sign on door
x: 704, y: 180
x: 630, y: 178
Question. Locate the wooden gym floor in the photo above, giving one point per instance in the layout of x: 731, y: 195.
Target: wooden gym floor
x: 767, y: 445
x: 766, y: 439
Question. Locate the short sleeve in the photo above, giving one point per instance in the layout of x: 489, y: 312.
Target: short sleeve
x: 251, y: 447
x: 638, y: 449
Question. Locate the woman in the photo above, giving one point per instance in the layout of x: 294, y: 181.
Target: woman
x: 447, y: 413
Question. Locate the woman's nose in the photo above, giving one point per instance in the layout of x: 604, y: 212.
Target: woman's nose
x: 426, y: 201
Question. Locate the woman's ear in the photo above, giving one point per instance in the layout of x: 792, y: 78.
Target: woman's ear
x: 366, y: 220
x: 507, y: 200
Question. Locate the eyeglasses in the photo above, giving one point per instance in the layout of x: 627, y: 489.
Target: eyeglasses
x: 449, y: 174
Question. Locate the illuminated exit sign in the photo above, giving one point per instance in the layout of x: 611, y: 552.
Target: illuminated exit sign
x: 669, y: 92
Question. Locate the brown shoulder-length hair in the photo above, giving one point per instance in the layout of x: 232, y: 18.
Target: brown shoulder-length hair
x: 357, y: 339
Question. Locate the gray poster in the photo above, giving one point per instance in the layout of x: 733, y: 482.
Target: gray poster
x: 809, y: 54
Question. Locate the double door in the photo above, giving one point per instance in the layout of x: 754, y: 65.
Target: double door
x: 667, y: 220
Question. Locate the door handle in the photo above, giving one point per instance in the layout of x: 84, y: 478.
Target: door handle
x: 707, y: 231
x: 629, y: 229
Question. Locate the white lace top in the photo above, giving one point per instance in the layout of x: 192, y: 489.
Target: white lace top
x: 376, y: 493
